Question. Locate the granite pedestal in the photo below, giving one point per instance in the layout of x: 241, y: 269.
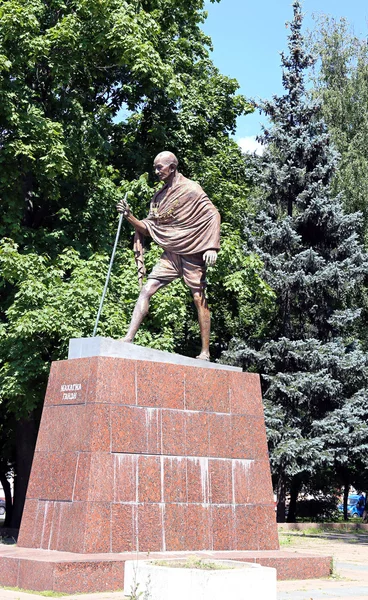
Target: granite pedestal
x: 144, y: 452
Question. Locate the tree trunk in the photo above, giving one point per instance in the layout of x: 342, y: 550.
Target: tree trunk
x: 346, y: 496
x: 294, y: 492
x: 8, y: 498
x: 365, y: 513
x: 281, y: 499
x: 290, y: 206
x: 26, y: 436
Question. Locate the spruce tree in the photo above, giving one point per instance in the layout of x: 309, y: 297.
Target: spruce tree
x: 309, y: 356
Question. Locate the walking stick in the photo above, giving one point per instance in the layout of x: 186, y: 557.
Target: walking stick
x: 109, y: 271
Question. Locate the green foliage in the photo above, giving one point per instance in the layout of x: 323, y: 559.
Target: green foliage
x: 341, y: 80
x: 314, y: 370
x: 57, y: 299
x: 90, y: 92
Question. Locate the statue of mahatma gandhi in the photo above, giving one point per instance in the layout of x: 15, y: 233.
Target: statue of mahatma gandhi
x: 184, y: 222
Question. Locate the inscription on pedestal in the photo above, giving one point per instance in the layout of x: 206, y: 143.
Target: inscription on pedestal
x: 70, y: 390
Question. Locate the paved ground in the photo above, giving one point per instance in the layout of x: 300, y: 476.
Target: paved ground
x: 350, y: 580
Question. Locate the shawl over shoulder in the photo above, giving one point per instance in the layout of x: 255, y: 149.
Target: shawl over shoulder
x: 183, y: 220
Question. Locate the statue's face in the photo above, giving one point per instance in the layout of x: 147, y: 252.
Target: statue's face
x: 163, y: 169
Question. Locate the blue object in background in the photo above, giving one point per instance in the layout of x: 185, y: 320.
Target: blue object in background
x: 356, y: 504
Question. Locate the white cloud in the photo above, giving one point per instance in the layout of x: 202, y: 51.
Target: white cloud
x: 250, y: 145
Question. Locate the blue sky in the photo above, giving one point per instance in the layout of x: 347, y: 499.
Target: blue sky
x: 247, y: 37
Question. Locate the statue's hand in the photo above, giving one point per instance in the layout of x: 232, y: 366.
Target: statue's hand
x: 210, y: 257
x: 123, y: 207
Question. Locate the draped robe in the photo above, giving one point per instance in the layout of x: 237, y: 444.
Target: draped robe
x: 182, y: 220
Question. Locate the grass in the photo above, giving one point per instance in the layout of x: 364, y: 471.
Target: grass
x: 47, y: 593
x: 285, y: 539
x: 323, y: 529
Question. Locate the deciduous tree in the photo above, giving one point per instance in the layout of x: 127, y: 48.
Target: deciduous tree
x: 90, y: 91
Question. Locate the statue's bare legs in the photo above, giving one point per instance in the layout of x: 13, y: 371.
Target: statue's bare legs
x: 204, y: 319
x: 142, y: 306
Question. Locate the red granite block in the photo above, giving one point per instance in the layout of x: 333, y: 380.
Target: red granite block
x: 197, y: 433
x: 149, y: 479
x: 38, y: 525
x: 68, y: 530
x: 48, y: 518
x: 99, y: 426
x: 160, y: 384
x: 245, y: 393
x: 258, y: 439
x: 223, y: 527
x: 153, y: 430
x: 207, y: 389
x: 128, y: 429
x: 101, y: 480
x: 220, y: 474
x: 53, y: 475
x: 63, y: 427
x: 87, y: 577
x: 98, y: 573
x: 74, y: 428
x: 57, y: 521
x: 298, y: 567
x: 9, y: 568
x: 26, y: 531
x: 98, y: 524
x: 71, y: 373
x: 268, y: 538
x: 260, y: 479
x: 175, y: 527
x: 198, y: 480
x: 242, y: 439
x: 175, y: 479
x: 123, y: 528
x: 115, y: 381
x: 40, y: 573
x: 173, y: 432
x: 93, y: 378
x: 246, y: 527
x: 135, y: 429
x: 220, y: 435
x: 82, y: 478
x: 246, y: 489
x: 150, y: 528
x: 197, y: 527
x: 125, y: 476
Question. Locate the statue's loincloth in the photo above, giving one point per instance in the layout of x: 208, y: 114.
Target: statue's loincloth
x: 190, y: 267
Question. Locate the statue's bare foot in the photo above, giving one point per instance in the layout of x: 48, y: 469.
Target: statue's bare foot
x: 203, y: 355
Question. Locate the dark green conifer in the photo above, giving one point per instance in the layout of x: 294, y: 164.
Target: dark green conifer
x: 310, y: 358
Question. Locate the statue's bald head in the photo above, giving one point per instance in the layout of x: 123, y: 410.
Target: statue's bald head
x: 167, y: 158
x: 165, y: 165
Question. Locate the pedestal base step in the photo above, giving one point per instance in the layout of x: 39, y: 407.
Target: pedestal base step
x: 42, y: 570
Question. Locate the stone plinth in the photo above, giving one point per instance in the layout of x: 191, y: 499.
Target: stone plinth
x: 136, y: 454
x: 32, y: 569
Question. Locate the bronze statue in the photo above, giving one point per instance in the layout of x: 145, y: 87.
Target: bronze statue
x: 184, y: 222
